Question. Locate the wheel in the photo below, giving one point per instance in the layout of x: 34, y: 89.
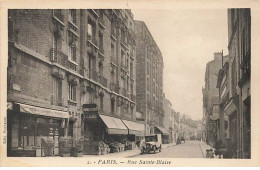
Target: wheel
x: 160, y: 149
x: 154, y: 149
x: 148, y: 151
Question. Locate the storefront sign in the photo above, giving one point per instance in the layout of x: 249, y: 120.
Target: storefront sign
x: 42, y: 111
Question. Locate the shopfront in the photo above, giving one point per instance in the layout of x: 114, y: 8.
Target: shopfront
x: 135, y: 133
x: 31, y: 128
x: 163, y: 132
x: 102, y: 132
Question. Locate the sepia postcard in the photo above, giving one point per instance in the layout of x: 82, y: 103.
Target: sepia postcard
x: 129, y: 83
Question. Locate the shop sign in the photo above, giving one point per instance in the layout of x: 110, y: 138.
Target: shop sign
x: 90, y: 115
x: 42, y: 111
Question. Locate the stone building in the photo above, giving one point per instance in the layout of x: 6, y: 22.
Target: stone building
x: 238, y: 108
x: 211, y: 97
x: 70, y: 73
x: 149, y: 80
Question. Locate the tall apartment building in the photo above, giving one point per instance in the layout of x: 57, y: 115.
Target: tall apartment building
x: 239, y: 105
x: 70, y: 73
x: 149, y: 80
x: 211, y: 98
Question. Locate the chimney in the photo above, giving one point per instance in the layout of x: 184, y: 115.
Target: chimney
x: 217, y: 56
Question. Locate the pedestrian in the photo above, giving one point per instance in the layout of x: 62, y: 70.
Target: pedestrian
x: 209, y: 153
x: 138, y: 143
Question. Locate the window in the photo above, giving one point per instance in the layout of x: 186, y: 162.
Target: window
x: 72, y: 52
x: 131, y: 70
x: 112, y: 106
x: 55, y: 42
x: 72, y: 92
x: 100, y: 40
x: 72, y: 16
x: 122, y: 58
x: 58, y: 14
x: 101, y: 102
x: 127, y: 62
x: 57, y: 92
x: 91, y: 31
x: 89, y: 64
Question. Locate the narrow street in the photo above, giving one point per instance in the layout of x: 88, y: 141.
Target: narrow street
x: 189, y: 149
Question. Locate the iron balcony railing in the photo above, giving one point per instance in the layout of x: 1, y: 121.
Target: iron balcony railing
x: 62, y: 59
x: 58, y: 14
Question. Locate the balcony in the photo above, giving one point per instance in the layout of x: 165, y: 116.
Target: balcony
x: 92, y: 40
x: 124, y: 42
x: 92, y: 74
x: 113, y: 33
x: 101, y: 50
x: 58, y: 15
x: 132, y: 53
x: 101, y: 22
x: 59, y: 57
x: 113, y: 60
x: 114, y: 87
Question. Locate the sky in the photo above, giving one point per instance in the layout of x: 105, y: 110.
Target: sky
x: 187, y: 39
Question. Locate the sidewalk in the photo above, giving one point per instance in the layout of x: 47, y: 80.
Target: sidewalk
x: 127, y: 153
x: 204, y: 147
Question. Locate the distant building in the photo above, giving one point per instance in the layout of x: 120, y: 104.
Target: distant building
x: 149, y: 80
x: 211, y: 96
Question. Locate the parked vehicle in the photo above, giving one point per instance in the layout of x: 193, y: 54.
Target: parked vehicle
x: 151, y: 143
x: 192, y: 138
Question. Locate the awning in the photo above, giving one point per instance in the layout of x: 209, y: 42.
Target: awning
x: 43, y: 111
x: 164, y: 131
x: 230, y: 108
x: 114, y: 125
x: 134, y: 128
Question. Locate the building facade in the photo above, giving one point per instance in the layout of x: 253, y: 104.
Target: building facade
x: 211, y: 97
x: 238, y: 107
x: 149, y: 80
x: 71, y: 73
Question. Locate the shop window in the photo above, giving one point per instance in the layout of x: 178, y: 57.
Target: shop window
x: 72, y: 92
x: 27, y: 133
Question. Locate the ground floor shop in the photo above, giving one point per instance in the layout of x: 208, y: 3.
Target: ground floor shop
x: 165, y: 134
x: 105, y: 134
x: 34, y: 131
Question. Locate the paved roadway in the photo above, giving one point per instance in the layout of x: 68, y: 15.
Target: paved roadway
x: 190, y: 149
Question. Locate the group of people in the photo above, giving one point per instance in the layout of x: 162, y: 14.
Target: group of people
x: 221, y: 149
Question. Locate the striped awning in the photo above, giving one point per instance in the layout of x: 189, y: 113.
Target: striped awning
x: 114, y: 125
x: 134, y: 128
x: 164, y: 131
